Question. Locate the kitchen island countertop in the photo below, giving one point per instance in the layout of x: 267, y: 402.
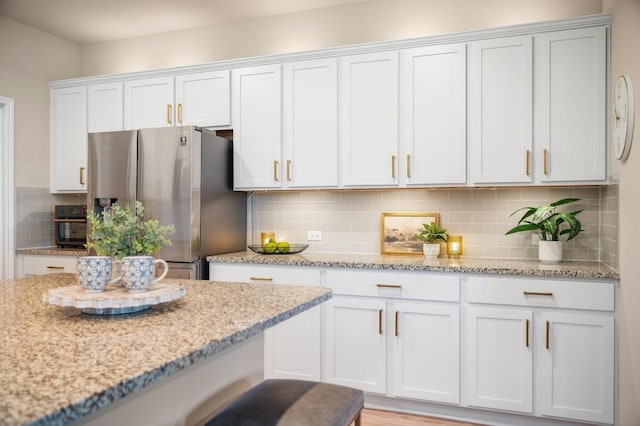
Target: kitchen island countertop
x: 535, y: 268
x: 58, y: 364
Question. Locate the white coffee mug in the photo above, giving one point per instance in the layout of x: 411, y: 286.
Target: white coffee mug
x: 138, y: 272
x: 94, y: 273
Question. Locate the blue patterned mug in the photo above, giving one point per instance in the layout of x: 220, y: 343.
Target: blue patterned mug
x: 94, y: 273
x: 138, y: 272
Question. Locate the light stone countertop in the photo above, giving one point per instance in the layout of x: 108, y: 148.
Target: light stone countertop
x: 53, y: 251
x: 58, y: 364
x: 531, y: 268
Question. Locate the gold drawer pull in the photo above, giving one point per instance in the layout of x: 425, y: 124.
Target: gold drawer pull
x: 538, y: 293
x: 548, y: 326
x: 81, y: 175
x: 55, y: 267
x: 388, y: 286
x: 393, y: 166
x: 379, y: 321
x: 526, y: 344
x: 260, y: 279
x: 169, y: 113
x: 528, y: 162
x: 180, y: 113
x: 545, y: 160
x: 408, y: 166
x: 275, y: 170
x: 289, y: 170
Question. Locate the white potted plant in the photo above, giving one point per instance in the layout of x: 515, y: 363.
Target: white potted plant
x: 550, y: 225
x: 124, y: 234
x: 433, y: 235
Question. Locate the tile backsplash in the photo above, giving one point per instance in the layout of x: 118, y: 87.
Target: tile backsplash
x: 34, y: 215
x: 350, y: 221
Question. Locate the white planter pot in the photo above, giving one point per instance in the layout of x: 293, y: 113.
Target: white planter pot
x: 431, y: 250
x: 550, y: 251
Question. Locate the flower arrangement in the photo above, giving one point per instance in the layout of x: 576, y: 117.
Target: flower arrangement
x: 549, y: 223
x: 121, y: 231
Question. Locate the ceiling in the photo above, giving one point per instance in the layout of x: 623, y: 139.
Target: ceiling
x: 91, y: 21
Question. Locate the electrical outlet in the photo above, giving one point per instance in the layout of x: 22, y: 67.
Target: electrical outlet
x: 535, y: 240
x: 314, y: 235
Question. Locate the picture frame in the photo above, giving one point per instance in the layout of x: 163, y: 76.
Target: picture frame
x: 399, y: 232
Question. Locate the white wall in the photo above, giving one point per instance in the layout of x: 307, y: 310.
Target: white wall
x: 28, y: 59
x: 625, y: 58
x: 362, y: 22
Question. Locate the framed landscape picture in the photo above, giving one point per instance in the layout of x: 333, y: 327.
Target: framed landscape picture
x: 400, y: 230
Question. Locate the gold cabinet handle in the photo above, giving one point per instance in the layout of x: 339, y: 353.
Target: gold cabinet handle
x: 169, y: 113
x: 547, y: 343
x: 70, y: 220
x: 56, y: 267
x: 379, y: 321
x: 260, y: 279
x: 393, y: 166
x: 289, y: 170
x: 397, y: 314
x: 81, y: 175
x: 528, y: 162
x: 538, y: 293
x: 388, y: 286
x: 275, y: 170
x: 526, y: 342
x: 408, y: 166
x: 545, y: 160
x: 180, y: 113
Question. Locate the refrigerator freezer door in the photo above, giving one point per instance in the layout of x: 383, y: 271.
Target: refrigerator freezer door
x: 169, y: 185
x: 112, y: 169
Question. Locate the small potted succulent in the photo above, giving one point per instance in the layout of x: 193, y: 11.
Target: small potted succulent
x: 433, y: 235
x: 551, y: 225
x: 124, y: 234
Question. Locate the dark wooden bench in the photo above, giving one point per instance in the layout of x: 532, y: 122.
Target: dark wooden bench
x: 276, y: 402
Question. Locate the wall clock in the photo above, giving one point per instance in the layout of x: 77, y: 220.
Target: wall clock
x: 623, y: 117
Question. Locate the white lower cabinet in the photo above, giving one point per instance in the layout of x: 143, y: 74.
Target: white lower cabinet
x: 31, y: 264
x: 541, y: 347
x: 403, y: 341
x: 293, y: 347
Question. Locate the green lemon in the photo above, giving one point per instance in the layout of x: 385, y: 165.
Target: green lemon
x: 283, y: 247
x: 270, y: 247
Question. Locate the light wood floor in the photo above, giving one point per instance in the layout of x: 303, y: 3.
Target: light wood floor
x: 388, y: 418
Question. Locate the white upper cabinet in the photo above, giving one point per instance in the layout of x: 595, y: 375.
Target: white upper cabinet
x: 310, y: 123
x: 105, y: 102
x: 68, y: 153
x: 203, y: 99
x: 257, y: 152
x: 570, y: 82
x: 433, y: 115
x: 148, y: 103
x: 369, y: 119
x: 500, y: 110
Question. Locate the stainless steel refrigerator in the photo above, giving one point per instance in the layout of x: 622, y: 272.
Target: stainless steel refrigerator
x: 183, y: 176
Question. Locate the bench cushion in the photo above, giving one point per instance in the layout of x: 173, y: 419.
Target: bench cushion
x: 292, y: 402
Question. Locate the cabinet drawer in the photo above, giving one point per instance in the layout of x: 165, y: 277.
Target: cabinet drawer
x: 395, y: 284
x: 573, y: 294
x: 266, y: 274
x: 39, y: 265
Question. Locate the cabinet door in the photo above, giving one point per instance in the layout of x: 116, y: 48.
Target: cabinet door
x: 105, y: 112
x: 41, y: 265
x: 576, y: 367
x: 291, y: 348
x: 310, y: 123
x: 571, y: 70
x: 426, y: 351
x: 369, y: 119
x: 148, y: 103
x: 69, y: 139
x: 203, y: 99
x: 498, y: 352
x: 257, y: 127
x: 501, y: 110
x: 433, y: 115
x: 356, y: 343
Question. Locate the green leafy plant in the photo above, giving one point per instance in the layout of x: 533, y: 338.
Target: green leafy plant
x: 432, y: 233
x: 549, y: 223
x: 120, y: 231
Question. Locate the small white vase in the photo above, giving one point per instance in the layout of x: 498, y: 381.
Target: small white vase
x: 550, y: 251
x: 431, y: 251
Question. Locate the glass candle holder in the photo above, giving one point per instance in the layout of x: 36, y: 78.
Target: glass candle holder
x: 454, y: 246
x: 265, y: 237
